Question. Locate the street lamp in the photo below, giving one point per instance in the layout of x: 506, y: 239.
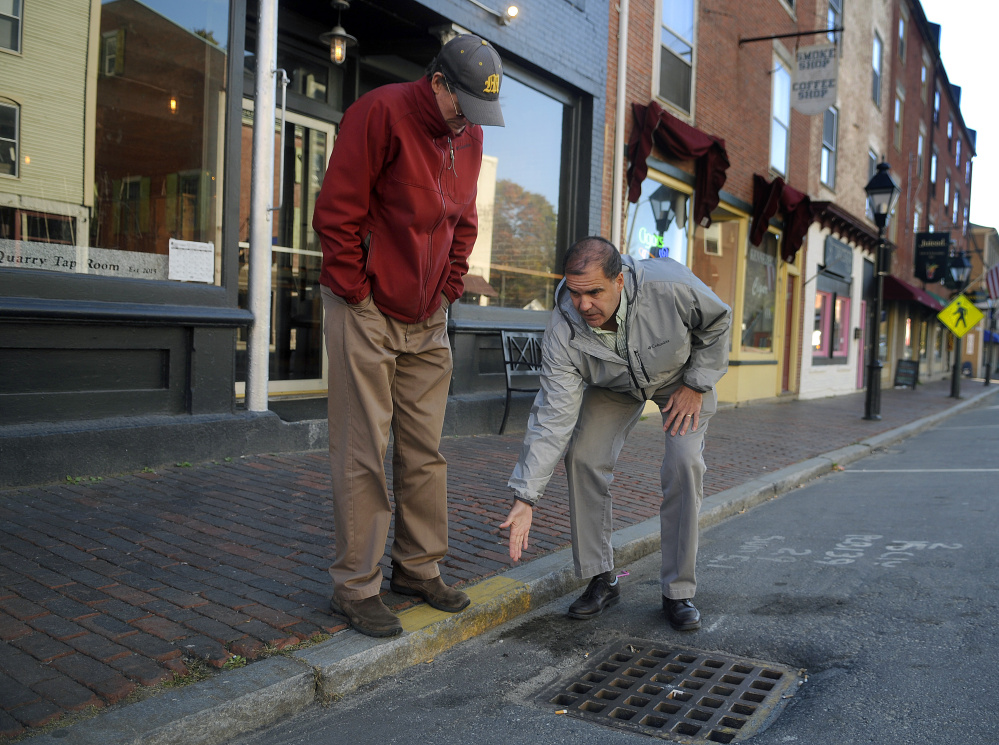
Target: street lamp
x: 960, y: 270
x: 882, y: 194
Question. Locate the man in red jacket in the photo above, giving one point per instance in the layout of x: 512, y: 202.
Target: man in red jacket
x: 396, y: 218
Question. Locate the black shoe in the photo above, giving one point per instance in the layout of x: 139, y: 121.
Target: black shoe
x: 681, y: 614
x: 600, y: 593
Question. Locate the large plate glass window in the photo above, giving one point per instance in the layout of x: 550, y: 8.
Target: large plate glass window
x: 152, y: 207
x: 514, y: 262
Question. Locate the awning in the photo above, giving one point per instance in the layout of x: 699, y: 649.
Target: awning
x: 991, y: 337
x: 478, y: 285
x: 896, y: 289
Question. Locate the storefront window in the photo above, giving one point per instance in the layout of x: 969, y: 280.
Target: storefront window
x: 760, y: 293
x: 820, y: 329
x: 841, y: 327
x: 152, y: 210
x: 830, y: 332
x: 657, y: 223
x: 714, y: 255
x: 513, y: 263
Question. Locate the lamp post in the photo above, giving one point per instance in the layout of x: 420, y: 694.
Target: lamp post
x: 882, y: 194
x: 960, y: 269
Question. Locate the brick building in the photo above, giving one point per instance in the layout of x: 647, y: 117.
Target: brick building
x: 790, y: 244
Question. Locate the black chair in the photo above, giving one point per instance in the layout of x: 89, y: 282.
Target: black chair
x: 522, y: 361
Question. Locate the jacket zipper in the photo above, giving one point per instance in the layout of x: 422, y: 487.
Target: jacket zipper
x: 627, y: 321
x: 430, y: 239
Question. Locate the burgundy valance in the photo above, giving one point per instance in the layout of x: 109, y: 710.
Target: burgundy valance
x: 678, y: 140
x: 796, y: 207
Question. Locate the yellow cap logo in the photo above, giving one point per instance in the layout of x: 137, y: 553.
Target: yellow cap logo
x: 492, y: 84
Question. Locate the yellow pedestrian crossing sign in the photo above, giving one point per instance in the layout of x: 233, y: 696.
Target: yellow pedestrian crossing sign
x: 960, y: 316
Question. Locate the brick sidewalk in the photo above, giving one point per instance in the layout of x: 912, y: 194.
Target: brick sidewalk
x: 112, y: 584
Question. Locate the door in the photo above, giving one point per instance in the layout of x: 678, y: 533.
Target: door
x: 789, y: 350
x: 297, y: 361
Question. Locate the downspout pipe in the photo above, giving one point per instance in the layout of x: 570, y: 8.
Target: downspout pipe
x: 261, y: 196
x: 620, y: 104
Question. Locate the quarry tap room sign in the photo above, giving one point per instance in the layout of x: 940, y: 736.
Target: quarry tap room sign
x: 816, y: 69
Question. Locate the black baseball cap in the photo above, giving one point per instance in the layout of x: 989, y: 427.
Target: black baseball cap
x: 474, y: 73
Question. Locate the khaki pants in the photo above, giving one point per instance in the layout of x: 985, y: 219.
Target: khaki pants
x: 605, y: 420
x: 385, y: 375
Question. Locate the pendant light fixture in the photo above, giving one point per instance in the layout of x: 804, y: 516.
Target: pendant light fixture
x: 338, y: 39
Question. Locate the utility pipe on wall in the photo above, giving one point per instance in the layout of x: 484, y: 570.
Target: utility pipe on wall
x: 261, y: 196
x: 617, y: 192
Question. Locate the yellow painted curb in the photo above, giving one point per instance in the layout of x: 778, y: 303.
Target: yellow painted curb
x: 421, y: 616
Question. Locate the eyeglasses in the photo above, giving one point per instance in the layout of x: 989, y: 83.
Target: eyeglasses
x: 453, y: 101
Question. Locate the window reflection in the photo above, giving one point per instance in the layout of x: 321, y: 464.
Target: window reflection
x: 296, y: 344
x: 159, y: 126
x: 146, y: 206
x: 657, y: 223
x: 715, y: 253
x: 513, y: 262
x: 760, y: 294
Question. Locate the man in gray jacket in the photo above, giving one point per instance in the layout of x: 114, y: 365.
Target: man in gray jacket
x: 623, y: 332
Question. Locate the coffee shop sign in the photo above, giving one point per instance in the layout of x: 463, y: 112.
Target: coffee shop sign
x: 813, y: 89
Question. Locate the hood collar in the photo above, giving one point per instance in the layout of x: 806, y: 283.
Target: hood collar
x: 430, y: 112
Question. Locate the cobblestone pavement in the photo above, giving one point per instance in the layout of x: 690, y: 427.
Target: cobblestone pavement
x: 108, y: 585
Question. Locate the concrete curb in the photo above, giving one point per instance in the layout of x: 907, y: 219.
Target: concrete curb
x: 265, y: 692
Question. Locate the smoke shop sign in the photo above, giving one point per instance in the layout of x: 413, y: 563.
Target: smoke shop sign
x: 816, y: 70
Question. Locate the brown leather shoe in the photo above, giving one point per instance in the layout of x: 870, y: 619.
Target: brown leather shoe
x: 370, y: 616
x: 434, y: 591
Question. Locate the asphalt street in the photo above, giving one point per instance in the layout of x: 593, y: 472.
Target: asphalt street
x: 878, y: 581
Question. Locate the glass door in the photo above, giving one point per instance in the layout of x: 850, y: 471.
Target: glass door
x: 297, y: 361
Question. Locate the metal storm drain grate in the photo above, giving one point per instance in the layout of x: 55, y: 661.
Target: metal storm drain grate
x: 674, y: 693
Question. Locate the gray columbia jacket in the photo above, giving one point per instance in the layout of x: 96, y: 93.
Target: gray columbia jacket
x: 677, y: 331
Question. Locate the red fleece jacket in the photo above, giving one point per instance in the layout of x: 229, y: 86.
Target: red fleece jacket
x: 396, y: 214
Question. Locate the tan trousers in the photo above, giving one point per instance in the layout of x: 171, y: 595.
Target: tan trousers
x: 385, y: 375
x: 605, y: 420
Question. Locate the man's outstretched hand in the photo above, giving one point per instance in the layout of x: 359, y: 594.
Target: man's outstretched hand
x: 519, y: 523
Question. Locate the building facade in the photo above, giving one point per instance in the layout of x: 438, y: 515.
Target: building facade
x: 790, y: 242
x: 124, y: 214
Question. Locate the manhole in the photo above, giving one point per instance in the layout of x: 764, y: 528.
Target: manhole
x: 675, y: 693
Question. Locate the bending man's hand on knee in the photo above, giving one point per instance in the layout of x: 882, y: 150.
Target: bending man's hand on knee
x: 519, y: 523
x: 682, y: 413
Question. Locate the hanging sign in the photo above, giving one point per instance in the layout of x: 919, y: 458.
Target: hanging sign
x: 816, y: 70
x: 931, y: 251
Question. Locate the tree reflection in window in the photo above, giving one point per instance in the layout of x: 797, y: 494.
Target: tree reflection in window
x: 518, y: 202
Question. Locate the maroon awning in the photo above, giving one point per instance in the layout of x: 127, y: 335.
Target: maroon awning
x: 475, y: 283
x: 896, y: 289
x: 796, y: 207
x: 677, y: 139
